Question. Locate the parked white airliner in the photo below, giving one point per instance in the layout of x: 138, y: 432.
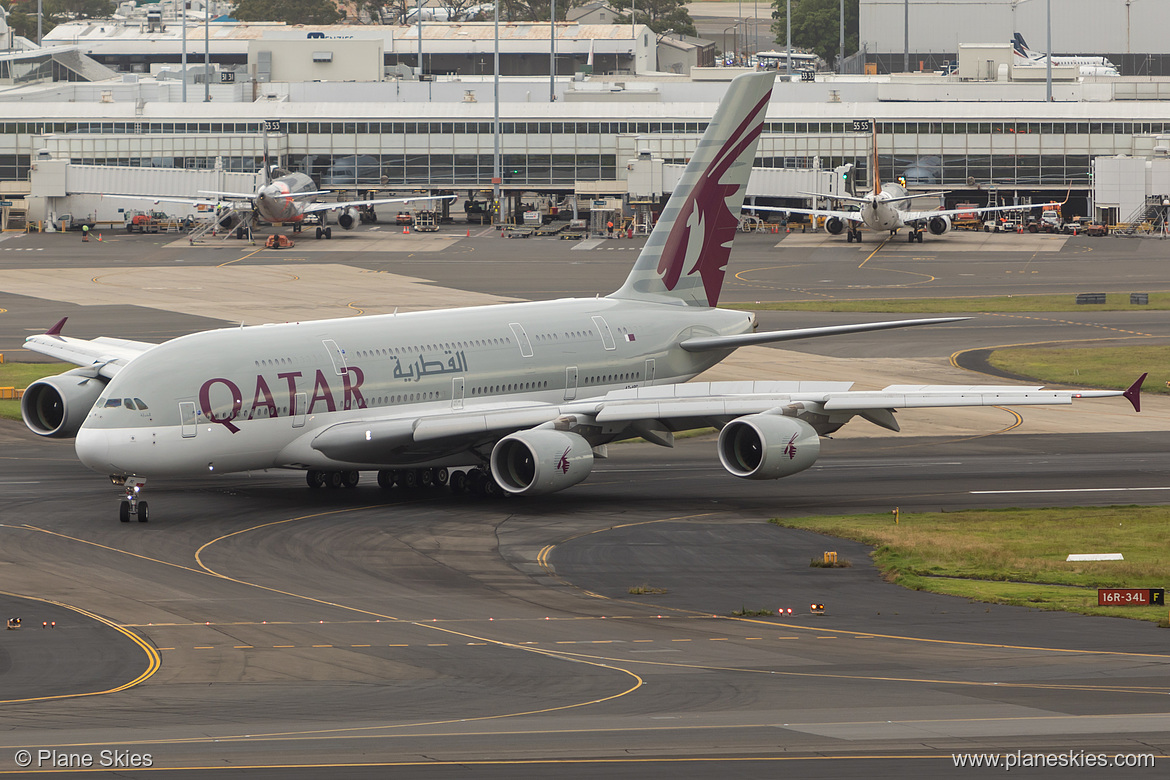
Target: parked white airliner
x: 885, y: 209
x: 289, y: 198
x: 520, y: 398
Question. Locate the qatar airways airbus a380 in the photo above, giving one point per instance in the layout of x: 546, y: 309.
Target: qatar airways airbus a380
x: 516, y: 398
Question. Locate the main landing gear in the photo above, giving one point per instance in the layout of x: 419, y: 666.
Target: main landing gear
x: 853, y: 235
x: 914, y: 235
x: 131, y: 507
x: 475, y: 481
x: 326, y: 232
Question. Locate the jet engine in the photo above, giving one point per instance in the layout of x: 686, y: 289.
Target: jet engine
x: 767, y: 446
x: 348, y: 218
x: 540, y: 461
x: 834, y: 225
x: 56, y: 406
x: 938, y: 225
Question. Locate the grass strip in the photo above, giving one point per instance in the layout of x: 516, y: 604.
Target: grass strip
x: 1112, y: 368
x: 1016, y: 556
x: 21, y: 375
x: 1066, y: 303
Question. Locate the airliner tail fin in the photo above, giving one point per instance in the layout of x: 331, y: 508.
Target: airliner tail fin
x: 686, y: 254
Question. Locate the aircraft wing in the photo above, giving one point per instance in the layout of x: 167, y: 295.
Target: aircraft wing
x: 167, y: 199
x: 850, y: 216
x: 107, y: 354
x: 656, y: 412
x: 915, y: 216
x: 314, y: 207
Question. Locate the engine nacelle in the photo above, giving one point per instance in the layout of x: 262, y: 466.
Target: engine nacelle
x: 56, y: 406
x: 348, y: 218
x: 767, y: 446
x: 540, y: 461
x: 938, y: 225
x: 834, y: 225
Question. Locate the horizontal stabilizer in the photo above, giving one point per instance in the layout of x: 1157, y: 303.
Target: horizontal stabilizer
x: 703, y: 343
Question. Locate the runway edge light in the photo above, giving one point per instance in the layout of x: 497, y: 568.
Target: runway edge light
x: 817, y: 609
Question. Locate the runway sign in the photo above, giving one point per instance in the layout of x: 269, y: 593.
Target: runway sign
x: 1130, y: 597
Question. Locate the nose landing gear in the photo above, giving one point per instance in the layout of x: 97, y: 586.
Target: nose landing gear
x: 131, y: 506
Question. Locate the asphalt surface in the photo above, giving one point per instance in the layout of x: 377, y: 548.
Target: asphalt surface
x: 358, y: 633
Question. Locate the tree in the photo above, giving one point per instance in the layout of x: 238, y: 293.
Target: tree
x: 662, y: 15
x: 815, y: 26
x: 288, y: 11
x: 22, y: 16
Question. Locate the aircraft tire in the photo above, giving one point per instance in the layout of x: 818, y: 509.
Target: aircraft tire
x: 458, y: 483
x: 319, y: 233
x: 408, y: 479
x: 143, y: 512
x: 124, y: 512
x: 385, y: 479
x: 441, y: 476
x: 426, y: 477
x: 314, y: 479
x: 332, y: 479
x: 350, y: 479
x: 328, y: 232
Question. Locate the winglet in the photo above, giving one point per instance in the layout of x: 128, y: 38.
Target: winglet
x: 1134, y: 393
x: 56, y: 329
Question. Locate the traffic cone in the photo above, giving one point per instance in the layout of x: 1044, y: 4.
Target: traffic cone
x: 99, y: 236
x: 469, y: 232
x: 406, y: 230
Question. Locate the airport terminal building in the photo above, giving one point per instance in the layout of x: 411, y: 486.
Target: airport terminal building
x: 985, y: 137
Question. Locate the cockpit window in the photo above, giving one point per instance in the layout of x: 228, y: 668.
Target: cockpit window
x: 113, y: 403
x: 141, y: 406
x: 128, y: 403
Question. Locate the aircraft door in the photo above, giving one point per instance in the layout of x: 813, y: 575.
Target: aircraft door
x: 457, y: 393
x: 336, y: 354
x: 187, y: 419
x: 521, y: 339
x: 570, y: 383
x: 606, y: 334
x: 300, y: 406
x: 648, y: 374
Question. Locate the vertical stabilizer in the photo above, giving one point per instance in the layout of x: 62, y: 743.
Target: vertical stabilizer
x: 686, y: 255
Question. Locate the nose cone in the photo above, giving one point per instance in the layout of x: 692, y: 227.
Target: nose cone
x: 93, y: 449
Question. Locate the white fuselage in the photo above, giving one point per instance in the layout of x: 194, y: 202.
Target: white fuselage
x: 273, y: 202
x: 879, y: 213
x: 243, y: 399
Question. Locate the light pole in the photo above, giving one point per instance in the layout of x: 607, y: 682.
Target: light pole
x: 184, y: 2
x: 496, y: 121
x: 841, y: 54
x: 552, y: 52
x: 206, y: 52
x: 788, y: 24
x: 418, y: 21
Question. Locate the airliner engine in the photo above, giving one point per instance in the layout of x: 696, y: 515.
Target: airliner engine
x: 834, y: 225
x: 540, y: 461
x: 56, y: 406
x: 938, y: 225
x: 767, y: 446
x: 348, y: 218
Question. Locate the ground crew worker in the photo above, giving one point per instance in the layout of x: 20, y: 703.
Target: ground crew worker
x: 609, y: 228
x: 85, y: 232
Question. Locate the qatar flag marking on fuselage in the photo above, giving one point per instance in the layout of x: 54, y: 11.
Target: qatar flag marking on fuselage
x: 705, y: 212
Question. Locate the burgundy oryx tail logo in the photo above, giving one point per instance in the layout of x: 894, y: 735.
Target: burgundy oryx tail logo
x: 700, y: 239
x: 563, y: 461
x: 790, y: 448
